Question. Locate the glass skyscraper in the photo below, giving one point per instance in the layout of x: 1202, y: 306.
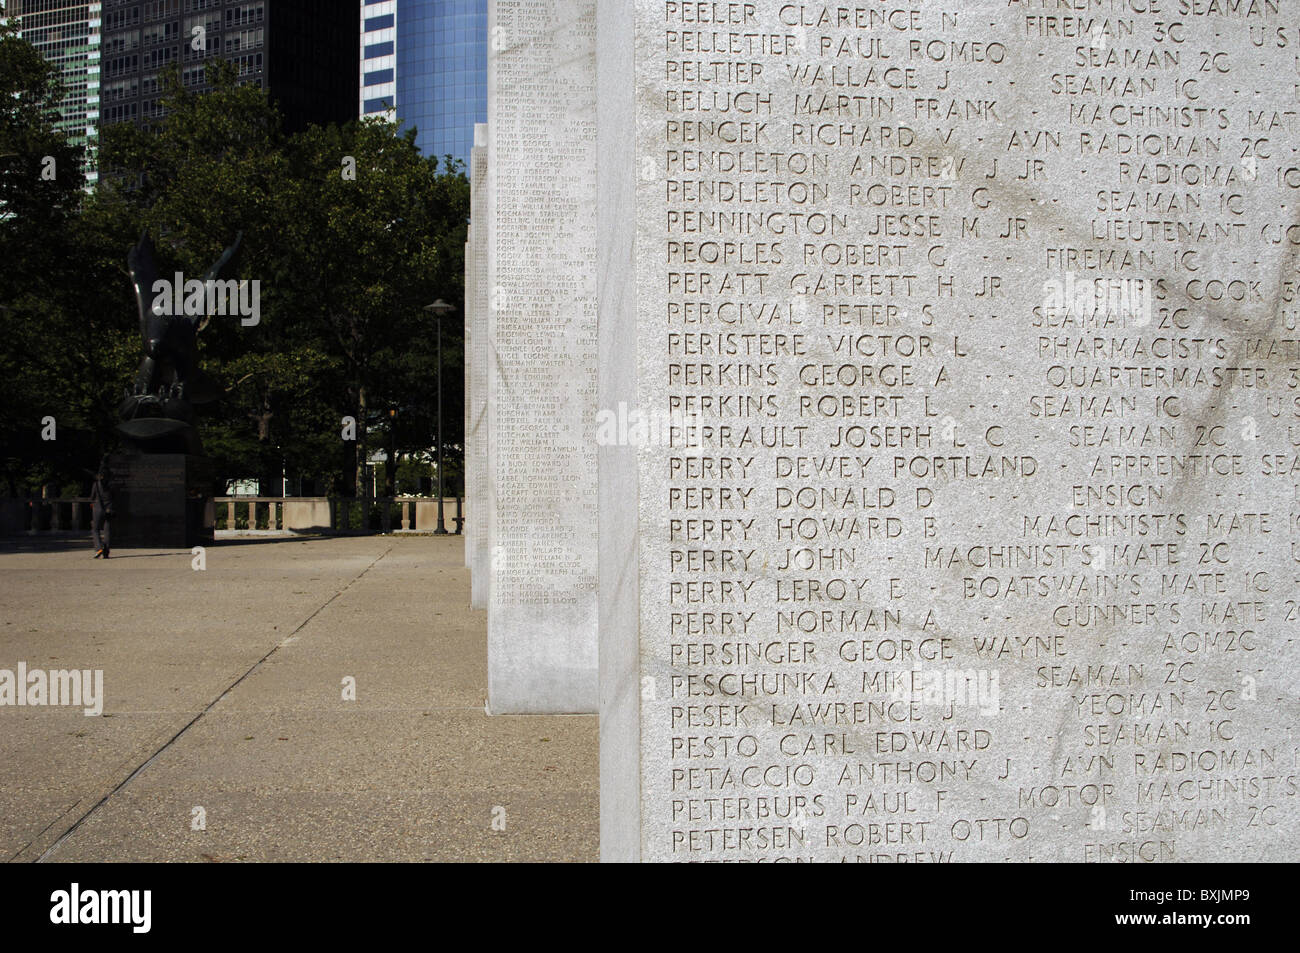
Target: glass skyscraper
x: 303, y: 52
x: 67, y: 34
x: 424, y: 64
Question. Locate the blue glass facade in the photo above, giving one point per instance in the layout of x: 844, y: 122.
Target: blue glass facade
x: 440, y: 71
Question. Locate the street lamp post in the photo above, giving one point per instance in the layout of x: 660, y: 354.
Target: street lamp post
x: 440, y: 309
x: 390, y: 452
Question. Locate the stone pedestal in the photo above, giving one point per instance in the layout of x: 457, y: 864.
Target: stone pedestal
x: 161, y: 501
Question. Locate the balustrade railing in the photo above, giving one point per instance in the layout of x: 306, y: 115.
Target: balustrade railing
x: 307, y: 515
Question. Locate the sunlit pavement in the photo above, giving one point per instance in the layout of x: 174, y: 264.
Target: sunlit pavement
x: 226, y: 733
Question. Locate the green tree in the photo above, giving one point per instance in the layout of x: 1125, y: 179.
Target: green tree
x: 348, y: 232
x: 65, y: 340
x: 376, y: 232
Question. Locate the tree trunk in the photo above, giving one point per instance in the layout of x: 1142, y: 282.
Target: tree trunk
x: 269, y: 472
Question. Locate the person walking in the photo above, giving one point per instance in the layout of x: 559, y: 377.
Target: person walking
x: 101, y: 506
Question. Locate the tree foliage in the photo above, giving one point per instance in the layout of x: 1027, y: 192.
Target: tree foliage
x: 348, y: 231
x: 62, y: 298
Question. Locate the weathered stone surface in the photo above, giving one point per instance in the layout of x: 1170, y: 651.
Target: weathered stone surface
x: 970, y: 533
x: 479, y: 516
x: 542, y: 382
x: 160, y: 500
x: 467, y: 401
x: 303, y: 515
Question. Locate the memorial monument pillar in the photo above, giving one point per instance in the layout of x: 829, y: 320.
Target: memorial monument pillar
x: 542, y: 379
x: 958, y: 510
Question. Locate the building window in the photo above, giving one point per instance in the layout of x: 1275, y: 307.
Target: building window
x: 244, y: 40
x: 245, y: 14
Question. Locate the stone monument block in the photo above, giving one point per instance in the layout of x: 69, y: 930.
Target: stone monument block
x: 162, y: 501
x: 542, y: 379
x: 480, y: 516
x: 304, y: 515
x: 954, y: 510
x: 467, y: 338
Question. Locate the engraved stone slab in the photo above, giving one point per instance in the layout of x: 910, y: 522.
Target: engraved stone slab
x: 477, y: 315
x: 542, y: 380
x: 161, y: 501
x: 949, y: 350
x: 467, y: 338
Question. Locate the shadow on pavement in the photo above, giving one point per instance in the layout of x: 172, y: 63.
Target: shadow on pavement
x: 73, y: 542
x: 44, y: 544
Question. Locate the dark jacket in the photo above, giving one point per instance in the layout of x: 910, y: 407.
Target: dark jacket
x: 101, y: 497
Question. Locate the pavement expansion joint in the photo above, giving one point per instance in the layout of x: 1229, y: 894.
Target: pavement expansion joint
x: 72, y: 829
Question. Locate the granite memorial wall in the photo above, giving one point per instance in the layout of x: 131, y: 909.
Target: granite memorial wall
x: 541, y: 405
x: 477, y: 329
x: 467, y: 337
x: 950, y: 492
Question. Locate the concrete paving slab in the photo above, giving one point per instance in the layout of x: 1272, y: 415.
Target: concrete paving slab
x: 223, y: 690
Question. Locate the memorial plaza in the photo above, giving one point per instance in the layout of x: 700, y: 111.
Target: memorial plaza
x: 225, y: 734
x: 873, y: 437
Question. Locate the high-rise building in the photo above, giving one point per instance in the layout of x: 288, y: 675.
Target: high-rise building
x: 424, y: 64
x: 67, y: 34
x: 303, y: 52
